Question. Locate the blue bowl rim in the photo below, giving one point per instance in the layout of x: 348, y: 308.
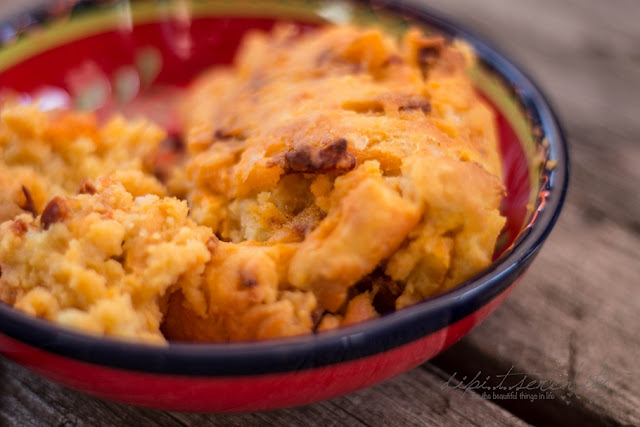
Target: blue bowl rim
x: 352, y: 342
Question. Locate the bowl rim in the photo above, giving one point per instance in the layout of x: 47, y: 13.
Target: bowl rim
x: 356, y: 341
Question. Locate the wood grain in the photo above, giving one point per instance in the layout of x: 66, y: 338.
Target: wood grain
x: 574, y: 315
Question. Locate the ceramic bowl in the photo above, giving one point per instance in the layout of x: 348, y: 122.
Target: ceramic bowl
x: 135, y: 57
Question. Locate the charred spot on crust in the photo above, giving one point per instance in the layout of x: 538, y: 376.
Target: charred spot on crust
x: 316, y: 317
x: 428, y: 55
x: 333, y: 157
x: 55, y: 211
x: 19, y: 227
x: 363, y: 285
x: 429, y: 51
x: 424, y: 105
x: 86, y: 187
x: 248, y: 279
x: 221, y: 135
x: 385, y: 290
x: 28, y: 205
x: 227, y: 135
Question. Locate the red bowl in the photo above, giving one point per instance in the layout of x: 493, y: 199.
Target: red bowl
x: 108, y: 57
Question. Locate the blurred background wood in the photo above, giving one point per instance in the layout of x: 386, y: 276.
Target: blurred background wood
x: 574, y: 317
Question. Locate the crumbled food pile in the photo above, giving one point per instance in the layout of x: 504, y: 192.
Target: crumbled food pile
x: 325, y: 178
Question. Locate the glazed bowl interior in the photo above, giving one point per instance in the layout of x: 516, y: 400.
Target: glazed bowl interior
x: 135, y: 58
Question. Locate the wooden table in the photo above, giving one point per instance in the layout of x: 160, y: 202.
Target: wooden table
x: 574, y: 317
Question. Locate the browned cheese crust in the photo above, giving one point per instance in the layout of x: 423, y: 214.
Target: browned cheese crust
x: 373, y: 158
x: 327, y: 178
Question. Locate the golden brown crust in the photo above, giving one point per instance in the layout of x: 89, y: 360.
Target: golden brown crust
x: 101, y: 262
x: 244, y: 299
x: 367, y: 225
x: 331, y: 177
x: 348, y: 120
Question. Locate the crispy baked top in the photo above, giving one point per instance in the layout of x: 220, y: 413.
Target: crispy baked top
x: 331, y: 176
